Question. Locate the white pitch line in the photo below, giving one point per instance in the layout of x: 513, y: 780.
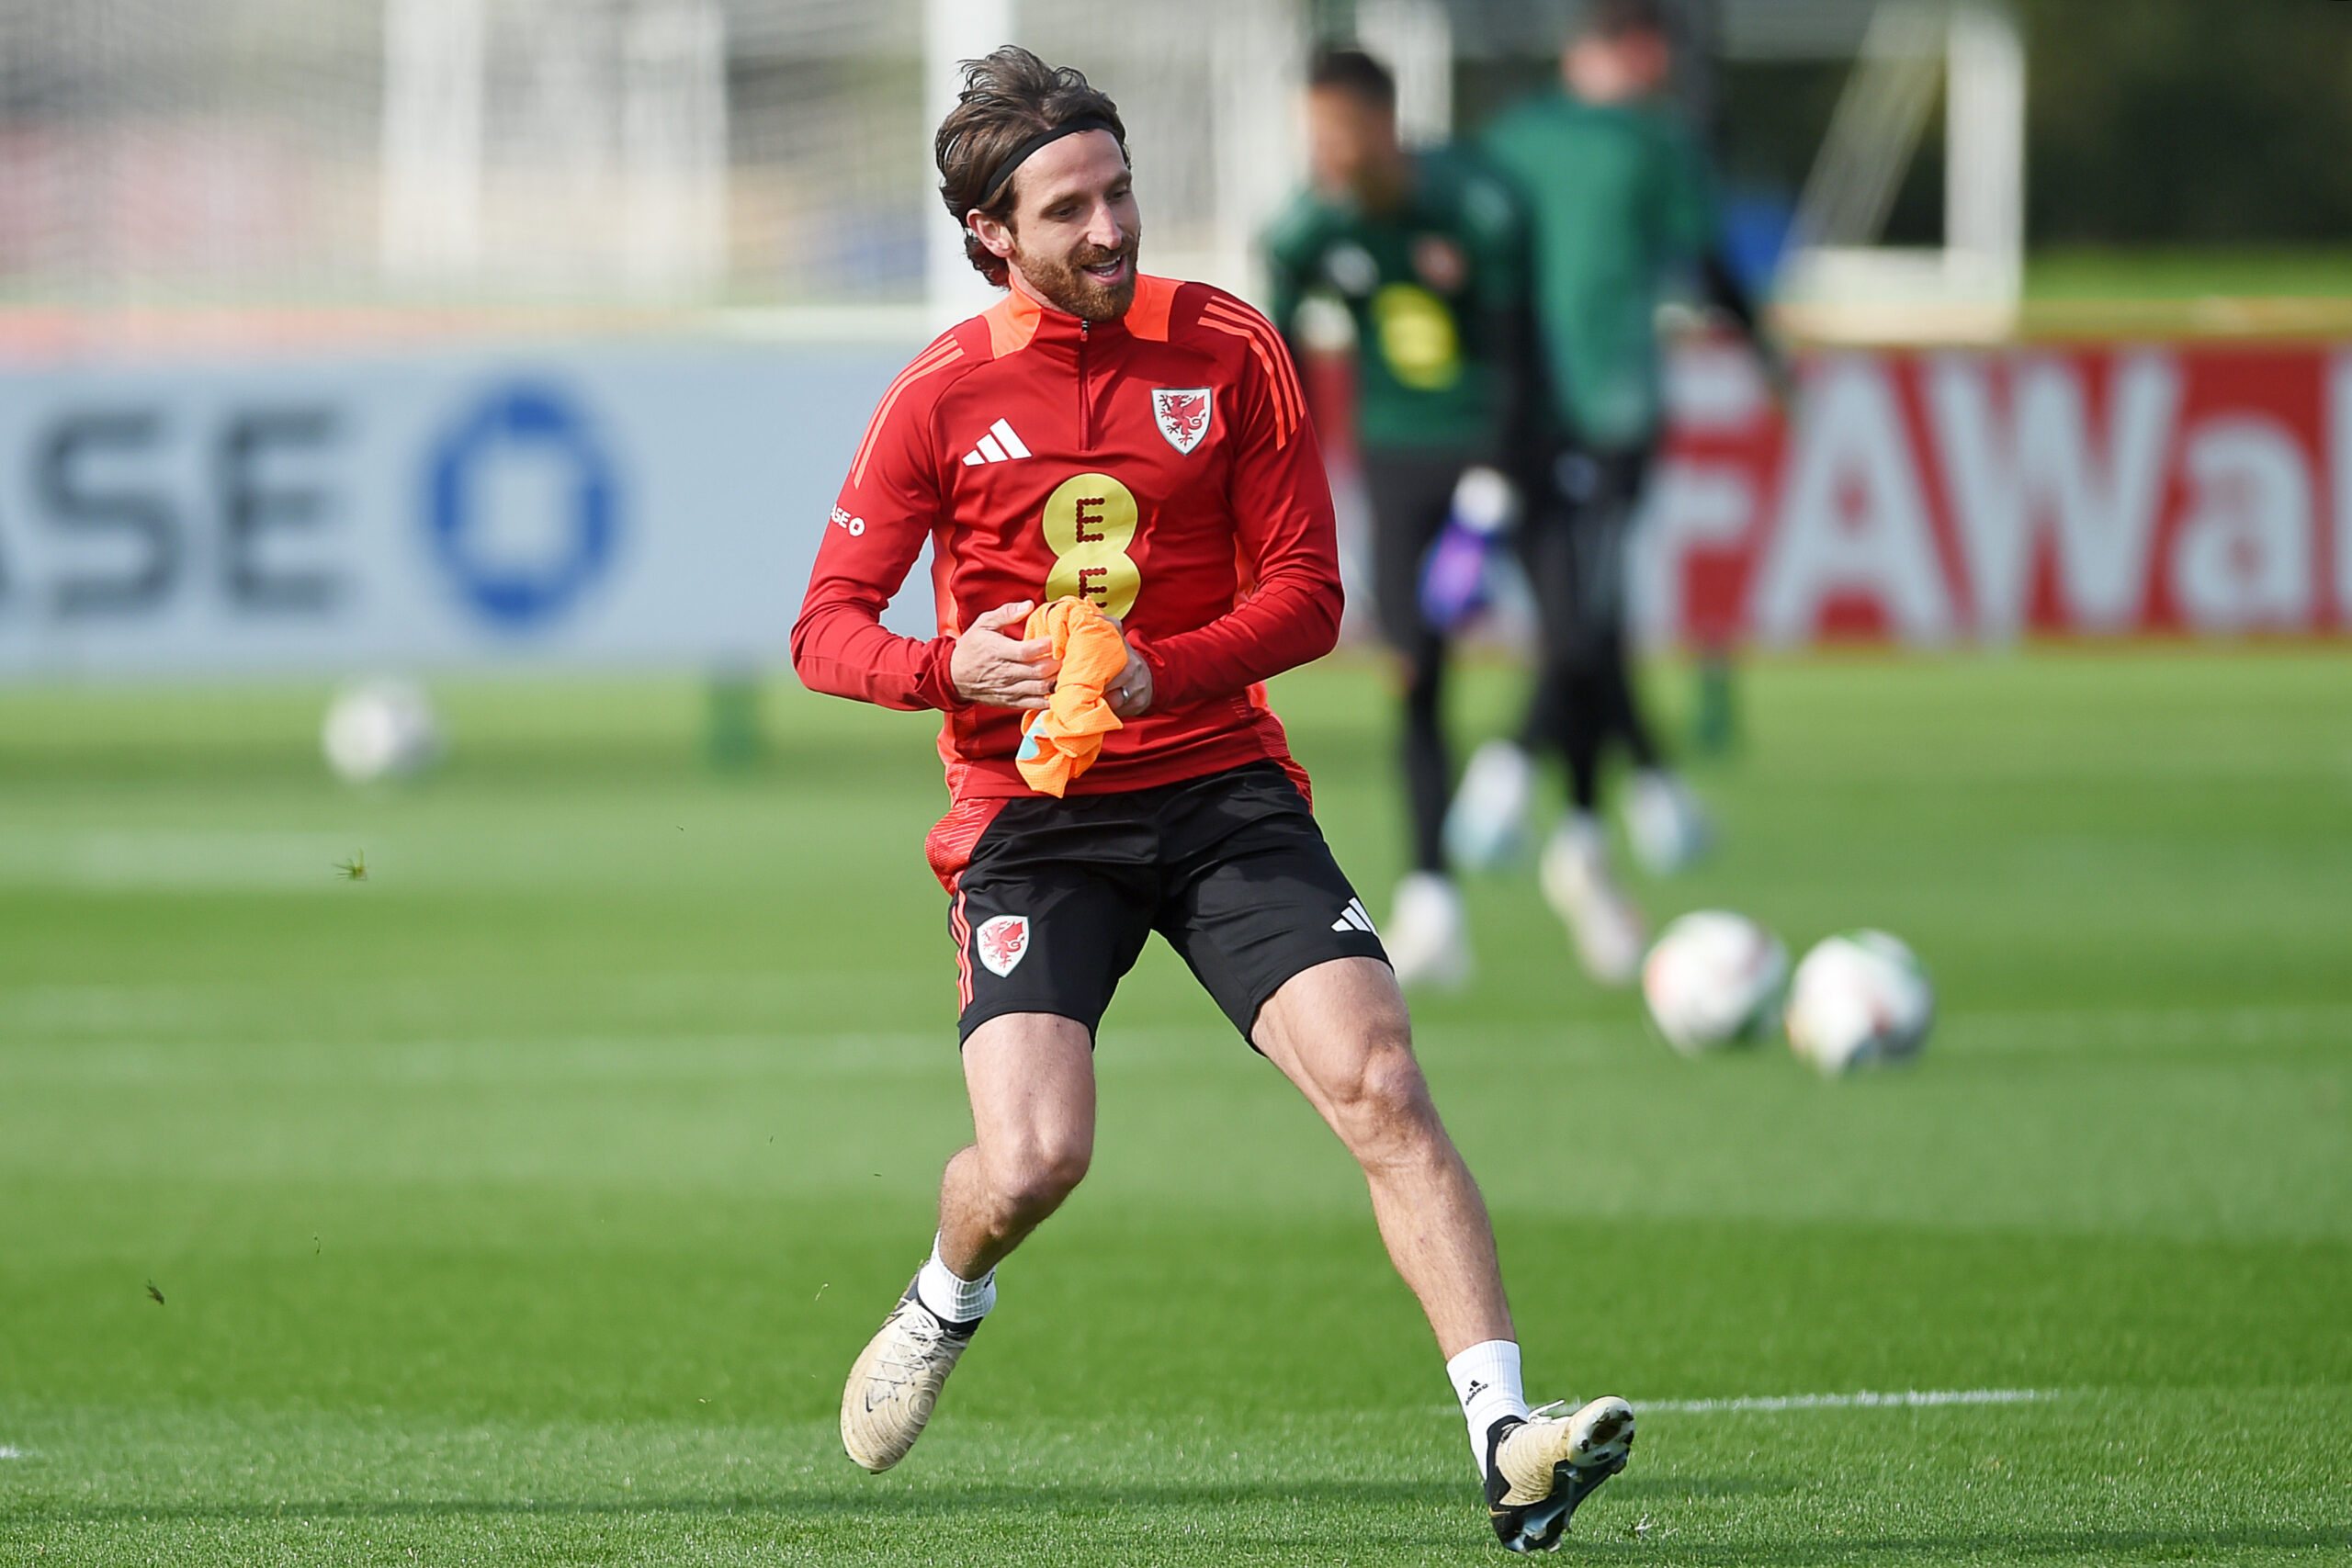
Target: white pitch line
x: 7, y: 1452
x: 1910, y: 1398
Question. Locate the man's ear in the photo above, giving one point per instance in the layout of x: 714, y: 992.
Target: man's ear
x: 996, y: 238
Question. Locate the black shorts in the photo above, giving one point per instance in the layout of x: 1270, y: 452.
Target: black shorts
x: 1053, y: 899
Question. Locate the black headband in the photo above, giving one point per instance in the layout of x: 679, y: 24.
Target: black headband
x: 1021, y: 154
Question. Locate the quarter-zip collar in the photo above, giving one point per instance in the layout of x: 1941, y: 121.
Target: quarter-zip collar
x: 1018, y: 321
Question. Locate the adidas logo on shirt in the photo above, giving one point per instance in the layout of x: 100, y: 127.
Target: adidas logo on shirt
x: 1353, y: 918
x: 998, y: 446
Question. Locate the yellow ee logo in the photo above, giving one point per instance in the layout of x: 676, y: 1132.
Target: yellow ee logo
x: 1089, y: 523
x: 1416, y: 337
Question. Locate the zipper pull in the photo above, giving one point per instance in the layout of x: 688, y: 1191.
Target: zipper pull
x: 1085, y: 409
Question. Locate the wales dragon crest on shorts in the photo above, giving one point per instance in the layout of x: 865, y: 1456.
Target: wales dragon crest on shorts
x: 1001, y: 943
x: 1183, y: 413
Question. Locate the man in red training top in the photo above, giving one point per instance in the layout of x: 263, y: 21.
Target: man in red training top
x: 1142, y: 444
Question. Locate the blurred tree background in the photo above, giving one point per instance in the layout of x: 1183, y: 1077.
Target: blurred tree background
x: 2189, y: 121
x: 2163, y: 123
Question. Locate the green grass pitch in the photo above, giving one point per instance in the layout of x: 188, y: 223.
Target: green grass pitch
x: 526, y: 1201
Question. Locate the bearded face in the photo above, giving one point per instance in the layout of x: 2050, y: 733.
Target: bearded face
x: 1073, y: 234
x: 1088, y: 281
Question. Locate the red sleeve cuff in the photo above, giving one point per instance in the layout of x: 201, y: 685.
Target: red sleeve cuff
x: 1164, y: 691
x: 936, y: 686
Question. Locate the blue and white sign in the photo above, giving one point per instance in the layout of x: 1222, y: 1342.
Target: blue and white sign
x: 607, y: 504
x: 538, y: 433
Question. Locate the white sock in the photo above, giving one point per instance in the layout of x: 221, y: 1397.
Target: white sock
x: 1583, y: 829
x: 954, y: 1299
x: 1486, y: 1380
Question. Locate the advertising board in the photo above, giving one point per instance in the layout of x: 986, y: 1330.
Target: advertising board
x: 658, y: 504
x: 1935, y: 497
x: 583, y: 504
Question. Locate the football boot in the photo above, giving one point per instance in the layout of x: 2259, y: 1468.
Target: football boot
x: 893, y: 1385
x: 1428, y: 936
x: 1485, y: 827
x: 1603, y: 921
x: 1540, y: 1469
x: 1663, y: 822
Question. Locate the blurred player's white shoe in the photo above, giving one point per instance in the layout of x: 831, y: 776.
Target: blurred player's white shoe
x: 1602, y: 919
x: 1667, y: 828
x: 1540, y: 1469
x: 895, y: 1383
x: 1487, y: 825
x: 1428, y: 937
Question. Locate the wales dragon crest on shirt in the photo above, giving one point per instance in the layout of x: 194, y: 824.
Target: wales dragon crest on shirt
x: 1183, y: 413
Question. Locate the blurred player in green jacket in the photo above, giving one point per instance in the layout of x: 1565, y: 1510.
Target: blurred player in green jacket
x: 1619, y: 203
x: 1426, y: 250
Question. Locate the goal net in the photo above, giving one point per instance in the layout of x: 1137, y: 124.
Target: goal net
x: 480, y: 152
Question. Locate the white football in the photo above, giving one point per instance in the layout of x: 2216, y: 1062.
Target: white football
x: 1858, y: 997
x: 1714, y: 978
x: 379, y: 729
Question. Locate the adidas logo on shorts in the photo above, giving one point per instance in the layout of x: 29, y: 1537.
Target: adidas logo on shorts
x: 1353, y: 918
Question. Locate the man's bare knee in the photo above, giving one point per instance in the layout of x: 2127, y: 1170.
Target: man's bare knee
x: 1032, y: 1081
x: 1033, y: 1184
x: 1340, y: 1031
x: 1383, y: 1105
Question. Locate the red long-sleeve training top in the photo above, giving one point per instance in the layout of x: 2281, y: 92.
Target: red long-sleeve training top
x: 1160, y: 465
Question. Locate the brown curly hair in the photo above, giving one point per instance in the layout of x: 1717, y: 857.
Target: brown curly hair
x: 1008, y: 97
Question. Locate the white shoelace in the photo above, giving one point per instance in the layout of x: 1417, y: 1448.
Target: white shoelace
x: 925, y: 1332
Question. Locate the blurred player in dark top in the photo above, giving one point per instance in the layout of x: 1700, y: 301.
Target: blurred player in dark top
x: 1619, y: 203
x: 1426, y: 250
